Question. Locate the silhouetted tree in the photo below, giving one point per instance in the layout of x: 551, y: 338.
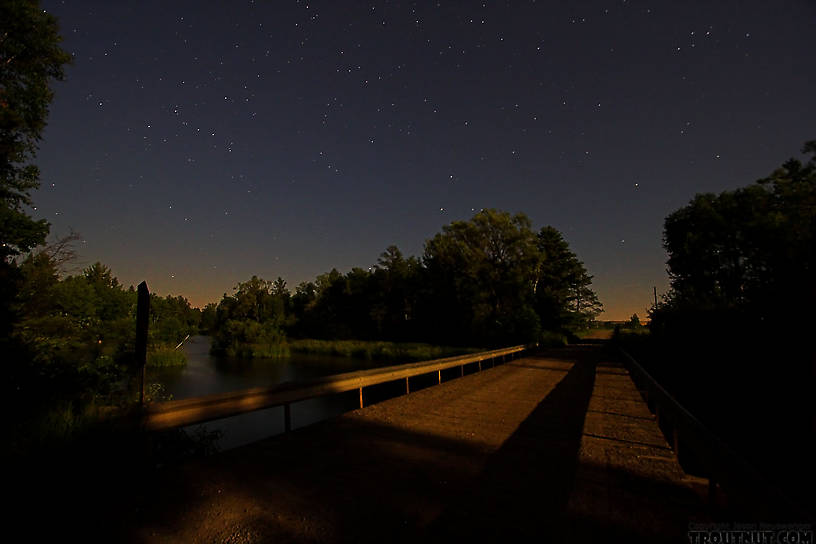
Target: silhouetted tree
x: 738, y: 315
x: 208, y: 318
x: 397, y: 285
x: 563, y: 297
x: 30, y: 57
x: 747, y: 248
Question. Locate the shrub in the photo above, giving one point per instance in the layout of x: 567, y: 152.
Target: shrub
x: 551, y: 339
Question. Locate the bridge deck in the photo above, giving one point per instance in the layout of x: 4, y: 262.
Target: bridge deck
x: 554, y: 445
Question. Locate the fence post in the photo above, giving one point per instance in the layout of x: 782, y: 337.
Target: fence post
x: 407, y: 386
x: 361, y: 397
x: 142, y: 322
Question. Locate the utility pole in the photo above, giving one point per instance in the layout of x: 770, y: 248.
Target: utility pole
x: 655, y: 296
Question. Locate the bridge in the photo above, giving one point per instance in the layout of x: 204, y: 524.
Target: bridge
x: 573, y: 444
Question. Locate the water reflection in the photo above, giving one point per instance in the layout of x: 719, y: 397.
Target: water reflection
x: 206, y: 374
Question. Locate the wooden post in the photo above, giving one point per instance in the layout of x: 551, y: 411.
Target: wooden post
x: 480, y: 365
x: 361, y: 397
x: 439, y: 372
x: 462, y: 370
x: 407, y: 386
x: 287, y: 418
x: 142, y: 322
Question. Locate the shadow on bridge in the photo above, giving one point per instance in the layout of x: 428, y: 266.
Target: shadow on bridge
x: 526, y: 484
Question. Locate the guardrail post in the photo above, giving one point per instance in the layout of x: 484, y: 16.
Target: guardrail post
x: 361, y: 397
x: 407, y: 386
x: 480, y: 365
x: 462, y: 370
x: 439, y: 372
x: 287, y: 418
x: 676, y: 442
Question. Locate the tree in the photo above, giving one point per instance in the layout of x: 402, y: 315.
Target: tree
x: 482, y: 272
x: 397, y: 287
x: 30, y: 57
x: 746, y: 248
x: 738, y: 316
x: 563, y: 297
x: 208, y: 318
x: 486, y: 281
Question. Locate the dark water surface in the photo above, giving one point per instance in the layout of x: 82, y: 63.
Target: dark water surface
x: 206, y: 374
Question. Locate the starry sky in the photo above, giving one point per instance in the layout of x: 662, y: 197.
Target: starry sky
x: 196, y: 143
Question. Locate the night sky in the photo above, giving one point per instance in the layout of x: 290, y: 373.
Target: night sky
x: 194, y: 144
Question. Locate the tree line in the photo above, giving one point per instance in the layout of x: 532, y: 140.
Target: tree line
x: 488, y: 281
x: 731, y: 338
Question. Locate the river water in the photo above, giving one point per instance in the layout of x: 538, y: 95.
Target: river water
x: 206, y: 374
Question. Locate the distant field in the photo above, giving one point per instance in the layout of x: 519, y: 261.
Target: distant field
x: 596, y: 334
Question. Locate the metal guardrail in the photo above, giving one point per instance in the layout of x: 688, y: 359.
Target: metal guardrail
x: 180, y: 413
x: 724, y: 468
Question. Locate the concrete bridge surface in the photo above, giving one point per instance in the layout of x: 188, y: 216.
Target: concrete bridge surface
x: 557, y: 446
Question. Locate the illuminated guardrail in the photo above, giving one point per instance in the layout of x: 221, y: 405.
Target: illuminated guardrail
x: 180, y: 413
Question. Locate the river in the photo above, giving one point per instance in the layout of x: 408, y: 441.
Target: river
x: 206, y: 374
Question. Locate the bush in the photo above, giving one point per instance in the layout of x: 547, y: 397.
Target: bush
x: 551, y: 339
x: 247, y: 338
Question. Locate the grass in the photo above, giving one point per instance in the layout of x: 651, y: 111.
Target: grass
x: 247, y: 350
x: 165, y: 356
x: 377, y: 350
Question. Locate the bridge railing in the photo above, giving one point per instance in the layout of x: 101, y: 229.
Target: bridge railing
x: 180, y: 413
x: 725, y: 469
